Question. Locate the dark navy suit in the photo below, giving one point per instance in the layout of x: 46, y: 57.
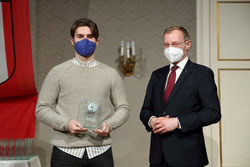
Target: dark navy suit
x: 195, y: 102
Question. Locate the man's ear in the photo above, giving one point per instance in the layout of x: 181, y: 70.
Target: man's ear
x: 97, y: 42
x: 72, y: 41
x: 188, y: 44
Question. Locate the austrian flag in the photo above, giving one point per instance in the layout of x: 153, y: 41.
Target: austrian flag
x: 18, y: 95
x: 7, y: 52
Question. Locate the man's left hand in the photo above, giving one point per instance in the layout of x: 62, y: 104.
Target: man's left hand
x: 104, y: 131
x: 165, y: 124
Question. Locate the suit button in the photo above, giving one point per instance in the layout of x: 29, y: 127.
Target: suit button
x: 164, y: 113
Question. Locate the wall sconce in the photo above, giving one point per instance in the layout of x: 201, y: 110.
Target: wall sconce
x: 127, y: 66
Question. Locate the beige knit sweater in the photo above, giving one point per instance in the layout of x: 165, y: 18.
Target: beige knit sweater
x: 66, y: 87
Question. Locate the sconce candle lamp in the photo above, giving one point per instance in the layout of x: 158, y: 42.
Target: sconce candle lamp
x: 127, y: 66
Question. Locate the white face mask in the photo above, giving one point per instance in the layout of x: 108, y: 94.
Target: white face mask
x: 173, y: 54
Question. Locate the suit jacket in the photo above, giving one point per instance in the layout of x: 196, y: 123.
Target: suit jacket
x: 194, y: 101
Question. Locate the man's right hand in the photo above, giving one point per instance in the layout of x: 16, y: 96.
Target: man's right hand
x: 75, y: 127
x: 152, y: 122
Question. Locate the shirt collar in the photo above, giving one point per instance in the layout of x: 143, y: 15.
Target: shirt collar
x: 92, y: 63
x: 181, y: 64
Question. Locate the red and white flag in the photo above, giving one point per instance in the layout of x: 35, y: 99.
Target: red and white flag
x: 7, y: 56
x: 18, y: 95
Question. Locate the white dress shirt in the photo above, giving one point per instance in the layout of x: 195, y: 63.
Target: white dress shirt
x: 181, y: 66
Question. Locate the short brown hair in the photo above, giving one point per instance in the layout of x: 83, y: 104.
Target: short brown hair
x: 85, y: 22
x: 182, y: 29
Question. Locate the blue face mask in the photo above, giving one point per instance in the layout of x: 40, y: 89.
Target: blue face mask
x: 85, y: 47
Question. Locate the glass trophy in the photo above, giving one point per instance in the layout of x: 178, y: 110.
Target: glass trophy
x: 89, y: 114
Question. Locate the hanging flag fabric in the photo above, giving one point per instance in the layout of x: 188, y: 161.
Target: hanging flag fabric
x: 6, y: 43
x: 18, y: 94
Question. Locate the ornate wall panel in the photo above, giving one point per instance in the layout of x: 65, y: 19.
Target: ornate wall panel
x: 233, y: 30
x: 234, y: 97
x: 225, y: 25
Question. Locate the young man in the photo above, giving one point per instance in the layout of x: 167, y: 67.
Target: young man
x: 83, y: 100
x: 181, y: 98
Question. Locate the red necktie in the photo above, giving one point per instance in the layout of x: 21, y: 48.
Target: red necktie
x: 170, y: 84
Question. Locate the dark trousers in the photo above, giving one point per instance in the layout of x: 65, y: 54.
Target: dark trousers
x: 159, y: 165
x: 62, y: 159
x: 165, y: 164
x: 162, y: 165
